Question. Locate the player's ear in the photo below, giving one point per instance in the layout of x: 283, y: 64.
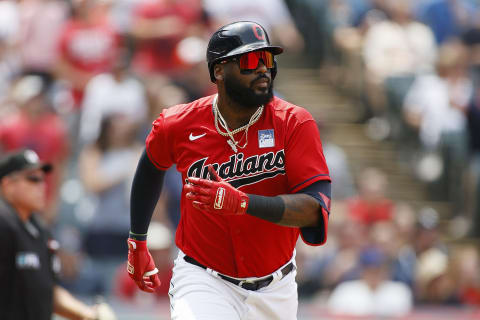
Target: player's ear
x: 218, y: 72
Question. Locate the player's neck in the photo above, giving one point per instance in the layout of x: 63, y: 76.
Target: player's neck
x: 235, y: 115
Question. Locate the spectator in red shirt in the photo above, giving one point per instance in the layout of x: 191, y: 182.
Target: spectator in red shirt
x: 158, y: 27
x: 87, y: 45
x: 36, y: 126
x: 371, y: 204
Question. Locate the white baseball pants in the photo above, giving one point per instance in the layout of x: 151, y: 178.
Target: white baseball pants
x: 196, y: 294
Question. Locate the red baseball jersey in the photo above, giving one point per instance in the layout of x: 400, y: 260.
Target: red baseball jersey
x: 283, y: 155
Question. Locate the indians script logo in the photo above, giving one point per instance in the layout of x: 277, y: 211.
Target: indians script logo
x: 241, y: 172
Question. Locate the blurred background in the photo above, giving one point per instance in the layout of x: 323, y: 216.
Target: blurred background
x: 393, y: 84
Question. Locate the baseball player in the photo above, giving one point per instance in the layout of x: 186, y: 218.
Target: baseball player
x: 255, y: 178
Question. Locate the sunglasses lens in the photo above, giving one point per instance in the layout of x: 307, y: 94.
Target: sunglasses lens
x: 250, y: 60
x: 267, y: 59
x: 34, y: 179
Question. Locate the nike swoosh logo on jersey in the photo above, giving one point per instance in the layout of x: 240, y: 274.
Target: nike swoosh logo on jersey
x: 193, y: 138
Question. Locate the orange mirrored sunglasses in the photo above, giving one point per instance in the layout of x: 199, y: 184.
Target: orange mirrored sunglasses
x: 249, y: 60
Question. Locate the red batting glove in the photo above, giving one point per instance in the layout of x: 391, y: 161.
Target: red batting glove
x: 141, y: 267
x: 216, y: 195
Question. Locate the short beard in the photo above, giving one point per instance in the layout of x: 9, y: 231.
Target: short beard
x: 246, y: 96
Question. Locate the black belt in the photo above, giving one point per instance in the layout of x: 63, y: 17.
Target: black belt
x: 252, y: 285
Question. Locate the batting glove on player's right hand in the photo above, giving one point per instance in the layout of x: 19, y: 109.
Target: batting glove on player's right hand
x: 141, y: 267
x: 216, y: 195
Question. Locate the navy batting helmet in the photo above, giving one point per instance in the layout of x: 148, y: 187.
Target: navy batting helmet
x: 235, y: 39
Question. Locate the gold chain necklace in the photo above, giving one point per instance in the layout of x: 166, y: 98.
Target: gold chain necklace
x: 232, y: 142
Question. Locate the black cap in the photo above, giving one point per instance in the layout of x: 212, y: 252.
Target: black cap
x: 22, y: 160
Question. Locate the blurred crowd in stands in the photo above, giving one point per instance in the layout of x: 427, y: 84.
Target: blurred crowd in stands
x: 413, y: 68
x: 82, y: 80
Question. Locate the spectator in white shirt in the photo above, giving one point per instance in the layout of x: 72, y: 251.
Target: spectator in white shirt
x: 399, y: 47
x: 436, y: 106
x: 117, y: 92
x: 373, y: 295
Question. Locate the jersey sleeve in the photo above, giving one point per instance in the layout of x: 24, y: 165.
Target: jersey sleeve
x: 158, y: 146
x: 304, y: 159
x: 320, y: 191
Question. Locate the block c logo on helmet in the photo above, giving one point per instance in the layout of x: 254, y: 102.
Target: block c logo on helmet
x: 258, y: 32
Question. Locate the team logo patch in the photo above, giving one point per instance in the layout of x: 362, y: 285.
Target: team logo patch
x: 27, y: 260
x: 266, y: 138
x: 219, y: 198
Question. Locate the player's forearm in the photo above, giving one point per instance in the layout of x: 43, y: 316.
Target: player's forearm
x: 146, y: 189
x: 292, y: 210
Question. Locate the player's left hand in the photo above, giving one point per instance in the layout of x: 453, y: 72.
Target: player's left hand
x: 216, y: 195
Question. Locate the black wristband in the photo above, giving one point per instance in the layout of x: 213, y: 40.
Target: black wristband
x: 136, y: 236
x: 266, y: 208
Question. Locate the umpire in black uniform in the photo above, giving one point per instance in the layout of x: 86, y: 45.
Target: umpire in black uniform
x: 28, y: 264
